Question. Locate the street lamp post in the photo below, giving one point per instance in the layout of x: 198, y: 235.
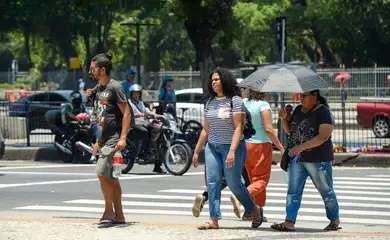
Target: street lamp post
x: 137, y: 30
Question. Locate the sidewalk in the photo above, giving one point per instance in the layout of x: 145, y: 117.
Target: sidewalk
x: 65, y: 229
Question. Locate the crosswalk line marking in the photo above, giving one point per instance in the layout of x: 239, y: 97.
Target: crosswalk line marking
x: 188, y: 213
x: 338, y: 191
x: 230, y: 207
x: 380, y: 176
x: 362, y: 179
x: 310, y: 185
x: 269, y: 200
x: 192, y: 191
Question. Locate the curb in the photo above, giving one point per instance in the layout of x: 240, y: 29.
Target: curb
x: 341, y: 159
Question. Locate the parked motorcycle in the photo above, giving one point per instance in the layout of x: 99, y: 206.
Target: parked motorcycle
x: 164, y: 145
x: 80, y: 143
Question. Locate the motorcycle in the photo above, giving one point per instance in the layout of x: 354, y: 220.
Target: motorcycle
x: 80, y: 142
x: 164, y: 144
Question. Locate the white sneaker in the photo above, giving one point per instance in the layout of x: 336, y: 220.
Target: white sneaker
x: 198, y: 205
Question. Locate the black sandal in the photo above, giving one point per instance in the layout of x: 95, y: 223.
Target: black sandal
x: 282, y: 227
x: 332, y: 227
x: 258, y: 220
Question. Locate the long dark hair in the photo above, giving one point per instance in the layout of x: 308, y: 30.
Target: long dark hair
x: 320, y: 98
x: 228, y: 83
x: 104, y: 60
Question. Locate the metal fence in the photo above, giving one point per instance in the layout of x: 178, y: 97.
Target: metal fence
x: 365, y: 82
x: 350, y: 132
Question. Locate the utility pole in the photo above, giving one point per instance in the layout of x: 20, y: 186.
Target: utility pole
x: 137, y: 30
x: 281, y: 43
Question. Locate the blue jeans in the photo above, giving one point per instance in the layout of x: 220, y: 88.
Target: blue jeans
x: 95, y: 132
x: 321, y: 175
x: 216, y: 155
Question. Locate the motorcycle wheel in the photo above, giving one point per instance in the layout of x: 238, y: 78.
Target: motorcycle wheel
x: 182, y: 155
x: 192, y: 130
x: 128, y: 157
x: 79, y: 155
x: 66, y: 158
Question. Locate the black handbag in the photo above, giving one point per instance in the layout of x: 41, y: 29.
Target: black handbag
x: 284, y: 161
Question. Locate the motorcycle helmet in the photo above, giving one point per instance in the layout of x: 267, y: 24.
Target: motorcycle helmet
x: 136, y: 88
x: 170, y: 108
x: 76, y: 98
x: 83, y: 117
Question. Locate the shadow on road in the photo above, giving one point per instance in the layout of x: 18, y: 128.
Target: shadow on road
x: 299, y: 230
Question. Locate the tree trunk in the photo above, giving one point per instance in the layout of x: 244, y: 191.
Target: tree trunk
x: 27, y: 45
x: 308, y: 49
x: 87, y: 50
x: 327, y: 55
x: 201, y: 37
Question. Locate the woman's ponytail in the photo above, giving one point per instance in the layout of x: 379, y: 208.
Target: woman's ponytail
x: 322, y: 100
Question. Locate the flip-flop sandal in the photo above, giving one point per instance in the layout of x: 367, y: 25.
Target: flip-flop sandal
x: 207, y: 226
x: 282, y: 227
x: 257, y: 221
x: 106, y: 220
x: 332, y: 227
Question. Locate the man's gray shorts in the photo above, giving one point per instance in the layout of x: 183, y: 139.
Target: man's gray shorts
x: 105, y: 164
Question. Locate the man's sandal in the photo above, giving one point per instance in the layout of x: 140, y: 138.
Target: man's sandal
x: 258, y: 220
x: 282, y: 227
x: 207, y: 226
x: 332, y: 227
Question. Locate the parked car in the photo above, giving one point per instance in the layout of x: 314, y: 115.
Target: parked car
x: 36, y: 105
x: 375, y: 113
x: 193, y: 101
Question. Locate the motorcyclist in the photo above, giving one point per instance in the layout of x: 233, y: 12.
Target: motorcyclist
x: 140, y: 113
x: 69, y: 112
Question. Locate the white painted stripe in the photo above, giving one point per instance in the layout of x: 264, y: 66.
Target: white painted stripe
x: 309, y: 184
x: 269, y: 200
x: 49, y: 173
x: 50, y: 166
x: 336, y: 183
x: 336, y: 190
x: 191, y: 191
x: 380, y: 176
x: 230, y: 207
x: 188, y: 213
x: 78, y: 181
x: 363, y: 179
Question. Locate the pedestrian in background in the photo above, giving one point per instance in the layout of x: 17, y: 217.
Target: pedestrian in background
x: 259, y: 147
x: 311, y: 149
x: 225, y: 150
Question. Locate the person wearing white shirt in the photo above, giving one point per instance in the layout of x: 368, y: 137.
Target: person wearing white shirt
x: 140, y: 113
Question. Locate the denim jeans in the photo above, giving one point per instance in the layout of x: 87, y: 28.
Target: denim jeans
x: 216, y: 155
x: 95, y: 132
x: 321, y: 176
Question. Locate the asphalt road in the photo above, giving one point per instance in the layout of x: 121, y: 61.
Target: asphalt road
x: 66, y: 191
x: 354, y: 138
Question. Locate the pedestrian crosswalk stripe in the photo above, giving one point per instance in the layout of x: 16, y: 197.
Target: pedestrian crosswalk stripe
x: 230, y: 207
x: 380, y: 176
x: 269, y: 200
x: 192, y: 191
x: 363, y: 179
x: 188, y: 213
x: 310, y: 185
x: 336, y: 190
